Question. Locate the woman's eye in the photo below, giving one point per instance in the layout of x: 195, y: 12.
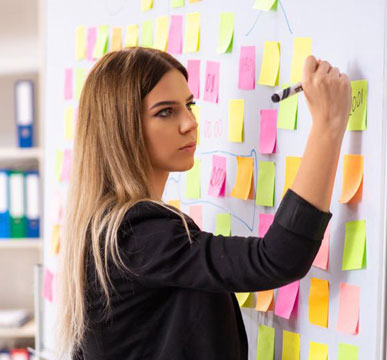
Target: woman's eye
x: 165, y: 112
x: 190, y: 104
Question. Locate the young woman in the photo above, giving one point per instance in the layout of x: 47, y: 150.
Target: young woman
x: 138, y: 279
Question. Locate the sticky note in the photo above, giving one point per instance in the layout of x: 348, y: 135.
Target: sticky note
x: 223, y: 224
x: 116, y: 39
x: 319, y: 302
x: 55, y: 240
x: 286, y: 300
x: 288, y: 112
x: 147, y: 33
x: 192, y: 189
x: 270, y: 64
x: 354, y: 255
x: 161, y: 38
x: 245, y: 299
x: 349, y: 309
x: 102, y: 42
x: 352, y: 187
x: 322, y: 258
x: 58, y: 164
x: 146, y: 5
x: 194, y: 1
x: 318, y: 351
x: 196, y: 213
x: 91, y: 39
x: 79, y: 80
x: 358, y: 116
x: 265, y: 300
x: 48, y: 279
x: 131, y: 37
x: 226, y: 33
x: 246, y: 79
x: 348, y: 352
x: 211, y: 88
x: 265, y: 221
x: 66, y: 165
x: 292, y: 164
x: 290, y: 346
x: 193, y: 69
x: 69, y: 123
x: 197, y: 113
x: 217, y: 186
x: 192, y: 33
x: 265, y: 342
x: 302, y: 48
x: 243, y: 188
x: 175, y: 37
x: 68, y: 84
x: 80, y: 42
x: 177, y: 3
x: 266, y: 183
x: 268, y: 131
x: 265, y: 5
x: 236, y: 114
x: 175, y: 203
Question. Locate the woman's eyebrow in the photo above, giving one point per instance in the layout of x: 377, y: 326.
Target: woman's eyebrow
x: 163, y: 103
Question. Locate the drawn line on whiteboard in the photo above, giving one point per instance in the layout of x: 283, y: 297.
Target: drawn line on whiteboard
x: 255, y: 23
x: 286, y: 17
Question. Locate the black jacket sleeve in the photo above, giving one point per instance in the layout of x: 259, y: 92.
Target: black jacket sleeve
x: 156, y: 248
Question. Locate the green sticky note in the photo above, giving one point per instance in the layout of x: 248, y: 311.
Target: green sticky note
x: 348, y: 352
x: 102, y: 42
x: 266, y: 5
x: 79, y: 80
x: 265, y: 343
x: 192, y: 189
x: 147, y: 33
x: 226, y: 33
x: 290, y: 346
x: 266, y: 183
x: 288, y: 112
x: 177, y: 3
x: 223, y: 224
x: 358, y: 117
x: 354, y: 256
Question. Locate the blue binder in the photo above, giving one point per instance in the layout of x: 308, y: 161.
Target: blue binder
x: 5, y: 226
x: 24, y: 112
x: 32, y: 204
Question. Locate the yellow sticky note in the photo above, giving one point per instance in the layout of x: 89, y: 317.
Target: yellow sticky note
x: 55, y: 240
x: 243, y: 188
x: 102, y: 42
x: 265, y: 5
x: 355, y: 254
x: 318, y: 351
x: 270, y: 64
x: 265, y: 300
x: 161, y: 38
x: 192, y: 33
x: 266, y: 183
x: 131, y: 37
x: 358, y: 117
x: 226, y: 33
x: 194, y: 1
x: 147, y: 33
x: 146, y: 5
x: 265, y: 343
x: 79, y: 80
x: 223, y: 224
x: 175, y: 203
x: 80, y: 43
x: 69, y: 123
x: 302, y: 48
x: 196, y: 111
x: 236, y: 113
x: 288, y: 112
x: 116, y: 39
x: 319, y: 302
x: 192, y: 189
x: 290, y: 346
x: 291, y: 168
x: 245, y: 299
x: 177, y: 3
x: 59, y: 155
x: 352, y: 188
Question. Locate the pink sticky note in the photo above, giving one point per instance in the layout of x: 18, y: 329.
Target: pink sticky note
x: 286, y: 299
x: 196, y: 213
x: 322, y: 258
x: 349, y: 309
x: 66, y: 166
x: 91, y: 39
x: 175, y: 35
x: 211, y: 89
x: 217, y: 185
x: 247, y: 68
x: 68, y: 84
x: 47, y: 284
x: 268, y: 132
x: 193, y: 68
x: 265, y: 220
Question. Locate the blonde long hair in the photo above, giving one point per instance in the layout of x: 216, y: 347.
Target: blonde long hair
x: 110, y: 173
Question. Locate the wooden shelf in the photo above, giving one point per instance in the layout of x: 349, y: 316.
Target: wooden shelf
x: 21, y: 153
x: 21, y: 244
x: 26, y: 331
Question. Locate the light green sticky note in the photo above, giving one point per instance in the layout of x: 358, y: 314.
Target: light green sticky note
x: 177, y: 3
x: 147, y: 33
x: 79, y: 80
x: 226, y: 33
x: 354, y: 256
x: 266, y: 183
x: 265, y: 343
x: 288, y: 112
x: 223, y: 224
x: 192, y: 189
x: 348, y: 352
x: 266, y: 5
x: 358, y: 117
x: 102, y: 42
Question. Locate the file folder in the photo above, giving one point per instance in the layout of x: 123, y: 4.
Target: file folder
x: 4, y: 205
x: 32, y: 204
x: 24, y: 112
x: 16, y: 204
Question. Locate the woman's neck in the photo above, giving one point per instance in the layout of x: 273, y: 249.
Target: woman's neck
x: 158, y: 180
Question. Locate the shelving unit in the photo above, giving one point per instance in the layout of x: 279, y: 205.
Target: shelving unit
x: 26, y: 331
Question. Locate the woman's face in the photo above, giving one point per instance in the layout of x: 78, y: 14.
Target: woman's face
x: 170, y: 127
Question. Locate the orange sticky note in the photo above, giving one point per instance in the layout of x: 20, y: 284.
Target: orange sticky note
x: 265, y: 300
x: 319, y: 302
x: 116, y: 39
x: 322, y: 258
x: 243, y: 188
x: 175, y: 203
x: 352, y: 189
x: 349, y: 309
x: 291, y: 168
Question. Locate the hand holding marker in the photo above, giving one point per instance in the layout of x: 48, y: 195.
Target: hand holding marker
x: 285, y: 93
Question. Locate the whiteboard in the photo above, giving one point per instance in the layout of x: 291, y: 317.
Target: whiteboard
x: 348, y: 33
